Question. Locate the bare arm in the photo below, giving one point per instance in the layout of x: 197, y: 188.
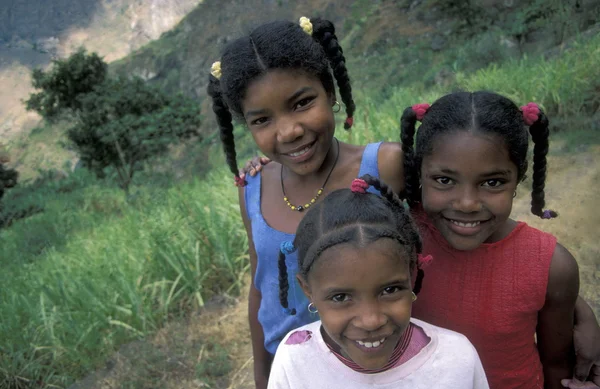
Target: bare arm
x: 555, y: 320
x: 390, y: 160
x: 262, y: 358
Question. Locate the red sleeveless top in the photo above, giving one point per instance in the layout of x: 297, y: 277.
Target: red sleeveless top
x: 492, y: 295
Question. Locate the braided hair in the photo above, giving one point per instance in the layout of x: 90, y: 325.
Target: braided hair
x: 346, y: 216
x: 276, y: 45
x: 485, y: 112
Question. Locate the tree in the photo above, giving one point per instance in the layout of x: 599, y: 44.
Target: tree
x: 125, y: 122
x: 8, y: 177
x: 118, y: 122
x: 63, y: 86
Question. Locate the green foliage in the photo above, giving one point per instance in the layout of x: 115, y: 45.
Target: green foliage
x: 214, y: 362
x: 65, y: 83
x: 8, y: 179
x: 106, y: 271
x: 470, y: 18
x: 564, y: 86
x: 125, y: 122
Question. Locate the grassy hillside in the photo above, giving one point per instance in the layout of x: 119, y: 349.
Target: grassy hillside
x: 92, y: 269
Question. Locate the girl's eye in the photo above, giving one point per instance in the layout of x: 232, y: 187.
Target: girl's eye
x: 340, y: 298
x: 304, y: 102
x: 493, y: 183
x: 391, y: 290
x: 444, y: 180
x: 259, y: 121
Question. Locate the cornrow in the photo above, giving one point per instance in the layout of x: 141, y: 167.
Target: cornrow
x: 539, y: 134
x: 408, y: 123
x: 345, y: 216
x: 224, y: 120
x: 324, y: 33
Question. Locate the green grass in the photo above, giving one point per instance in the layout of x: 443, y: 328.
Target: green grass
x: 95, y: 270
x: 567, y: 87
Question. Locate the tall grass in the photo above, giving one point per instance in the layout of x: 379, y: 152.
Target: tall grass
x: 111, y: 271
x: 567, y: 85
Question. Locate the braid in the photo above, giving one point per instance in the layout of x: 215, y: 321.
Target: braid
x: 415, y: 239
x: 324, y: 33
x: 224, y: 120
x: 407, y: 137
x: 419, y: 281
x: 283, y: 282
x: 383, y: 188
x: 539, y: 134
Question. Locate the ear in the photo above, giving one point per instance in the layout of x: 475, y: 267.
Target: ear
x: 304, y: 285
x: 331, y: 97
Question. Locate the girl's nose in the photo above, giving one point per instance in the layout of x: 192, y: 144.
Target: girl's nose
x: 468, y: 201
x: 289, y: 130
x: 370, y: 318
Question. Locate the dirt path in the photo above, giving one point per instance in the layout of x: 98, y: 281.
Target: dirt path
x: 171, y: 358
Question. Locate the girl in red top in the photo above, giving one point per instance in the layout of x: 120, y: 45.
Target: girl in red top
x: 498, y: 281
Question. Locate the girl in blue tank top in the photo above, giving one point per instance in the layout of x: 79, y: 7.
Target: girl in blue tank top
x: 278, y: 81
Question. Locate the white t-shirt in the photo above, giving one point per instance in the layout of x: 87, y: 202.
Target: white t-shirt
x: 448, y: 361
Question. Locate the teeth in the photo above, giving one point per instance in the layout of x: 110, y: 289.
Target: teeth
x: 470, y: 225
x: 375, y: 344
x: 299, y: 153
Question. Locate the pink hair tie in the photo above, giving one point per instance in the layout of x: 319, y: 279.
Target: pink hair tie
x: 359, y: 186
x: 531, y: 113
x: 239, y: 182
x: 423, y: 261
x: 420, y: 110
x: 348, y: 122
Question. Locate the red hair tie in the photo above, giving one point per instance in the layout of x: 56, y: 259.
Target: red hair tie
x: 348, y: 122
x: 420, y: 110
x: 239, y: 182
x: 531, y: 113
x: 423, y: 261
x: 359, y: 186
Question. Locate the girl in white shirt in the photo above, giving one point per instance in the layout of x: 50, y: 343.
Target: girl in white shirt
x: 356, y: 253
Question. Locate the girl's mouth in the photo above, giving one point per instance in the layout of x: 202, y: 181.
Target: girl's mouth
x: 369, y: 345
x: 469, y: 225
x: 303, y: 154
x: 465, y: 228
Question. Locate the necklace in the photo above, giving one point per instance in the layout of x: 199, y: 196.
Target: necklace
x: 301, y: 208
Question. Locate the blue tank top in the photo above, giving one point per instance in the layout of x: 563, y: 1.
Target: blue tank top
x: 275, y: 323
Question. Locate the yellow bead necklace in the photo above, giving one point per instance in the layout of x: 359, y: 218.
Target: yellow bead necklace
x: 301, y: 208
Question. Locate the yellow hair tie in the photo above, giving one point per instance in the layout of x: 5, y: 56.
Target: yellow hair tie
x: 306, y: 25
x: 215, y: 70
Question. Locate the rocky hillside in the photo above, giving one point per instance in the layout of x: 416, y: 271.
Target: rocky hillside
x: 387, y: 42
x: 33, y: 32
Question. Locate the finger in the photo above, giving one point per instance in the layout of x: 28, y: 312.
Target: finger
x: 574, y: 384
x: 582, y: 368
x: 242, y: 175
x: 264, y: 160
x: 253, y: 172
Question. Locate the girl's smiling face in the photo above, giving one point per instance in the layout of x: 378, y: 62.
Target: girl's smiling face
x: 364, y: 298
x: 468, y: 182
x: 291, y: 119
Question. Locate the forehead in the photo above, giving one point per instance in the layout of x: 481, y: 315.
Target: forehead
x: 277, y: 85
x: 351, y: 266
x: 467, y: 152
